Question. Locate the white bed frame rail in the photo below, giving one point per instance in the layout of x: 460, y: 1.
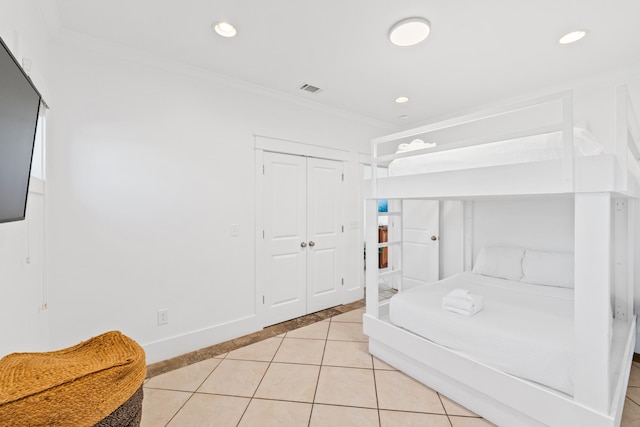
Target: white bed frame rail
x: 604, y: 246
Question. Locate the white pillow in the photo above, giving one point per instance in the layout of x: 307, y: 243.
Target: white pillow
x: 548, y: 268
x: 504, y: 263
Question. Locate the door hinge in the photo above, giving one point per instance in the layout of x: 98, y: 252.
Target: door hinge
x: 342, y: 177
x: 343, y: 228
x: 343, y: 281
x: 262, y: 299
x: 262, y: 234
x: 262, y: 169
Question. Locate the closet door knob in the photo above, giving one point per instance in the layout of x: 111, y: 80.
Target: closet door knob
x: 434, y: 238
x: 312, y: 243
x: 303, y: 244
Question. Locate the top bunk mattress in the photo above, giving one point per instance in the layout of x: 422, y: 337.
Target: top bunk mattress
x: 525, y: 330
x: 541, y: 147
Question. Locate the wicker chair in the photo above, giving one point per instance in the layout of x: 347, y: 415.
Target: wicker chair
x: 95, y: 383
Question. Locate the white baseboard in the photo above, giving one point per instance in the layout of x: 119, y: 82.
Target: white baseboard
x: 353, y: 295
x: 168, y: 348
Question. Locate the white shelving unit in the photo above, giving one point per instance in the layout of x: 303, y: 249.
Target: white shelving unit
x: 388, y: 279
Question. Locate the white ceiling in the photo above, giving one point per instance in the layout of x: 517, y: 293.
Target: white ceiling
x: 478, y: 51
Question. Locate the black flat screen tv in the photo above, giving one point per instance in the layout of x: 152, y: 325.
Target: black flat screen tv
x: 19, y: 107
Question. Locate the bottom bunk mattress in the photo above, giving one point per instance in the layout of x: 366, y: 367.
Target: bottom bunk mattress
x: 525, y: 330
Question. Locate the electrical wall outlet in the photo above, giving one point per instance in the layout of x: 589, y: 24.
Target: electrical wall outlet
x: 163, y: 316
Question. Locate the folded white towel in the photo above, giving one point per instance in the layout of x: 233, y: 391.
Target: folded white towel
x: 459, y: 293
x: 462, y: 302
x: 459, y: 303
x: 416, y: 144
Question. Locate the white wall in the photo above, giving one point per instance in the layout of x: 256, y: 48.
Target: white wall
x: 539, y: 223
x: 147, y: 171
x: 533, y: 223
x: 24, y: 322
x: 24, y: 318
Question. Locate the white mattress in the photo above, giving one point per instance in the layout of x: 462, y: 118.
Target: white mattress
x: 525, y: 330
x: 547, y: 146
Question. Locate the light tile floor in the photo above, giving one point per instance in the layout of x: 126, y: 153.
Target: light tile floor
x: 317, y: 375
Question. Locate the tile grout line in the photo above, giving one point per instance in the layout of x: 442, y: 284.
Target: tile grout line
x: 192, y: 394
x: 270, y: 399
x: 636, y: 403
x: 375, y: 389
x: 261, y: 379
x: 406, y: 411
x: 179, y: 409
x: 315, y: 392
x: 445, y: 409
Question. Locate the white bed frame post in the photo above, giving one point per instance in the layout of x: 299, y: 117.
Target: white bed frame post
x: 624, y: 212
x: 624, y: 230
x: 631, y: 257
x: 592, y: 300
x: 371, y: 237
x: 622, y: 131
x: 567, y: 141
x: 372, y: 257
x: 467, y: 243
x: 396, y: 234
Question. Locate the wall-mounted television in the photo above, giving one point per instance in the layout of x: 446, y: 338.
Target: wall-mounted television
x: 19, y: 107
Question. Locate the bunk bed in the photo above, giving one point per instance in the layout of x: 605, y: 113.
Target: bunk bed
x: 585, y: 360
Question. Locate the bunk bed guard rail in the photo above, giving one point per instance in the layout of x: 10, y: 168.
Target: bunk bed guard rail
x: 627, y: 132
x: 484, y: 113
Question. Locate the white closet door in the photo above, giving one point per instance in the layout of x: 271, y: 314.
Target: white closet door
x: 285, y: 223
x: 324, y: 233
x: 421, y: 242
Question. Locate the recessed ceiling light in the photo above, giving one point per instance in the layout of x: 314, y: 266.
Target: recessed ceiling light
x: 572, y: 37
x: 409, y: 31
x: 224, y: 29
x: 401, y: 99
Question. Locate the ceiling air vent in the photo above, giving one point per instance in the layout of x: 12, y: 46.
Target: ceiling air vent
x: 310, y: 88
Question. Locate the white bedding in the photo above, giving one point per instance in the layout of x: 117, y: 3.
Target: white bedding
x: 525, y: 330
x: 547, y: 146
